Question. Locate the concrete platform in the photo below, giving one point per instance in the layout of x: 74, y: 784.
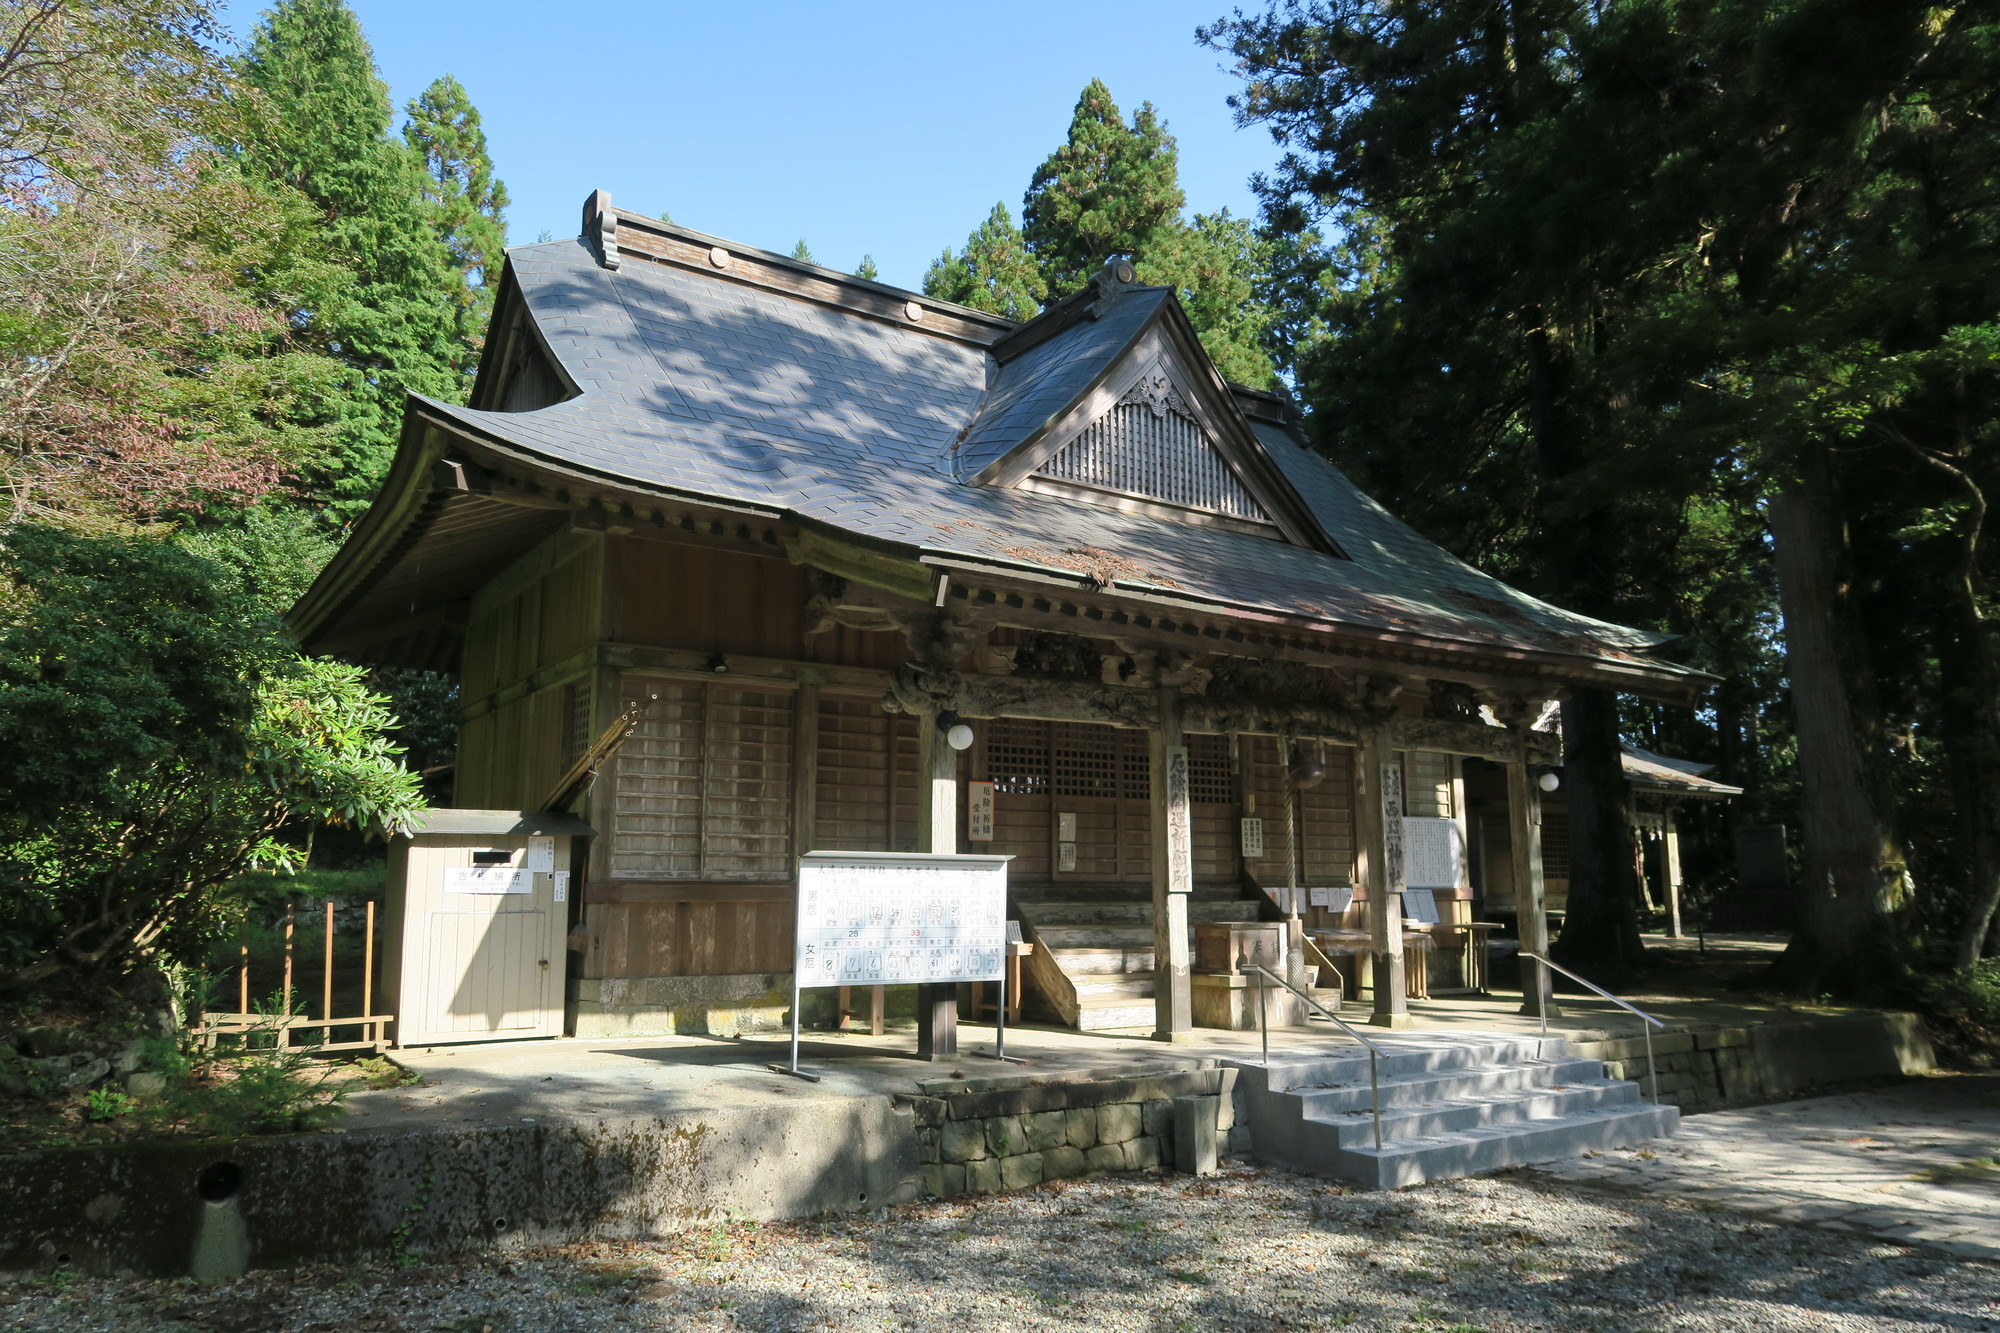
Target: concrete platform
x: 656, y: 1076
x: 512, y: 1144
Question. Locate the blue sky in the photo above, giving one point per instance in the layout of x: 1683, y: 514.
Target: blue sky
x: 883, y: 128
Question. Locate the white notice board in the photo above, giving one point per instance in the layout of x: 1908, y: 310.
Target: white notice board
x: 1433, y: 854
x: 890, y: 918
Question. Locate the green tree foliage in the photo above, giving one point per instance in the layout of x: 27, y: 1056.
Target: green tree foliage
x: 157, y: 739
x: 1111, y: 190
x: 467, y: 201
x: 140, y: 374
x: 316, y: 119
x: 1102, y: 193
x: 867, y: 271
x: 1660, y: 308
x: 803, y: 252
x: 1213, y: 263
x: 994, y: 272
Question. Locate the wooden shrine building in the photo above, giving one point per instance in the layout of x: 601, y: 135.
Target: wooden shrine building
x: 820, y: 523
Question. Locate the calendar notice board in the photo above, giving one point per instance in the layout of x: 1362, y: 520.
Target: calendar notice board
x: 867, y: 918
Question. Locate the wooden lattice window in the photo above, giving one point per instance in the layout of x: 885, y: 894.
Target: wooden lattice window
x: 576, y: 722
x: 1427, y: 784
x: 1017, y: 757
x: 1555, y: 843
x: 1211, y: 777
x: 866, y: 787
x: 1151, y: 446
x: 704, y: 786
x: 1087, y: 760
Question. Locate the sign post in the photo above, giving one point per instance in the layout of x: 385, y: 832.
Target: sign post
x: 898, y: 918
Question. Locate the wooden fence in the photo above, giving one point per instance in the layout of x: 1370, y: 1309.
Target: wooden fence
x: 288, y: 1026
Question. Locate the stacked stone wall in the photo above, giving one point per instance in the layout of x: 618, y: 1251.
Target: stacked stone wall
x: 999, y: 1134
x: 1709, y: 1068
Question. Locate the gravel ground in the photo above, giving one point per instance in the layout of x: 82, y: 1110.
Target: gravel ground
x: 1248, y: 1249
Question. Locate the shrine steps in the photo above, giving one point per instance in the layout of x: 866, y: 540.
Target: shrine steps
x: 1451, y: 1107
x: 1092, y: 967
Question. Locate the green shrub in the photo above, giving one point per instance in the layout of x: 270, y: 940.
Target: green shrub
x: 1962, y: 1010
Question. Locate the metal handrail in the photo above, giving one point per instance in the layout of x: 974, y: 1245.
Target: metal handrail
x: 1264, y: 1031
x: 1652, y: 1072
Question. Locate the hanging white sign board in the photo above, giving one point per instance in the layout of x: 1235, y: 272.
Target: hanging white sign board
x: 899, y: 918
x: 1433, y: 855
x: 889, y: 918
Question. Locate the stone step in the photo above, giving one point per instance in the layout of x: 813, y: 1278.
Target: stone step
x: 1107, y: 914
x: 1116, y: 1012
x: 1133, y: 959
x: 1057, y: 939
x: 1024, y: 894
x: 1356, y: 1128
x: 1132, y: 985
x: 1495, y: 1147
x: 1448, y: 1085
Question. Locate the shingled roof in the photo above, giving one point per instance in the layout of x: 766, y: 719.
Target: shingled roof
x: 709, y: 371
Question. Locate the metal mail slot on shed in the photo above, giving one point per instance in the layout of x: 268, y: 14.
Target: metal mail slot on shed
x: 478, y: 908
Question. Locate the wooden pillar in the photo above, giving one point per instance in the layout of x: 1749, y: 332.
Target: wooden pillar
x: 1378, y: 820
x: 1173, y: 873
x: 1524, y: 817
x: 937, y: 832
x: 1670, y: 859
x: 805, y: 768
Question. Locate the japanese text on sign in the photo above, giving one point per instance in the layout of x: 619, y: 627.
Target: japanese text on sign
x: 890, y: 920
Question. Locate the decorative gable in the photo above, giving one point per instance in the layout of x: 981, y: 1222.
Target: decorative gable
x: 1151, y: 446
x: 1110, y: 400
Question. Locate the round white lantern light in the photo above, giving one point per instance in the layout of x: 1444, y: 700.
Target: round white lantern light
x: 1548, y: 782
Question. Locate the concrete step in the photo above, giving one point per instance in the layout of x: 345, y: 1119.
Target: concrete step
x: 1448, y: 1085
x: 1431, y: 1052
x: 1356, y: 1128
x: 1451, y: 1106
x: 1495, y: 1147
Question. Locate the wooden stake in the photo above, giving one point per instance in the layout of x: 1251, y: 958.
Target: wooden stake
x: 368, y: 973
x: 326, y: 975
x: 243, y: 966
x: 291, y: 925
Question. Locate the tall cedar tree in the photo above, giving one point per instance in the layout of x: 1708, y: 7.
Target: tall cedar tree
x: 1213, y: 263
x: 1102, y: 193
x: 317, y: 120
x: 467, y: 202
x: 994, y: 272
x: 1495, y: 338
x: 1744, y: 247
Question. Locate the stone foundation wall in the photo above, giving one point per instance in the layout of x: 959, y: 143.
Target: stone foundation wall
x: 719, y: 1006
x: 1706, y: 1069
x: 725, y: 1006
x: 979, y: 1138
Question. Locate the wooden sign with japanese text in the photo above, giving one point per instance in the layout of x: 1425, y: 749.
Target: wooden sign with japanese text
x: 894, y: 918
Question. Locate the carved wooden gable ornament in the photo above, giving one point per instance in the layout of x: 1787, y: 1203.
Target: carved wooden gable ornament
x: 1160, y: 434
x: 1151, y: 446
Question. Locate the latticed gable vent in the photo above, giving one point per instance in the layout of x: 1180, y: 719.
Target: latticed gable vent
x: 1150, y: 446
